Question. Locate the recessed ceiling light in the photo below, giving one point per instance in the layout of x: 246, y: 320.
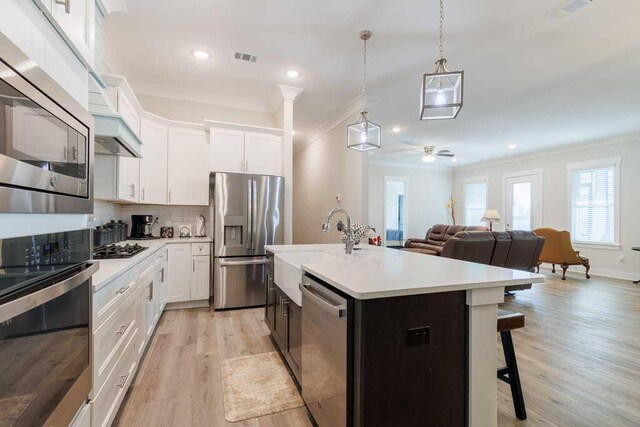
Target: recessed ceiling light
x: 454, y: 159
x: 292, y: 74
x: 396, y: 129
x: 201, y: 54
x: 512, y: 146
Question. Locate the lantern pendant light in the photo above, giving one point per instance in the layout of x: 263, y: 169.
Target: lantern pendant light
x: 441, y: 96
x: 363, y: 135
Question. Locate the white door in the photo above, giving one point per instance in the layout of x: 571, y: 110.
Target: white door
x: 200, y: 277
x: 179, y: 283
x: 128, y: 178
x: 227, y: 150
x: 395, y: 211
x: 262, y: 154
x: 523, y: 202
x: 188, y: 175
x: 77, y: 20
x: 153, y: 165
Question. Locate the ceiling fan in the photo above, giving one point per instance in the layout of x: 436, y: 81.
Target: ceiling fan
x: 429, y: 153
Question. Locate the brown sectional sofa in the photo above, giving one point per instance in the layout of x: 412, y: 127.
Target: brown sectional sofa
x: 436, y: 237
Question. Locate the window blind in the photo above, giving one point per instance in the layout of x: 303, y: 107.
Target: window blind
x: 475, y: 202
x: 593, y: 205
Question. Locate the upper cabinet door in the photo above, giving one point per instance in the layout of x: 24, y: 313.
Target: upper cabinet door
x: 263, y: 154
x: 77, y: 20
x: 128, y: 112
x: 188, y: 171
x: 128, y: 179
x: 227, y: 150
x: 153, y: 165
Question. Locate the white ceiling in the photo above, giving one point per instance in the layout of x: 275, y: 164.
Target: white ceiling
x: 530, y: 80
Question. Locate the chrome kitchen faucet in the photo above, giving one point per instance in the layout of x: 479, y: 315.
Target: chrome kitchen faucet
x: 326, y: 226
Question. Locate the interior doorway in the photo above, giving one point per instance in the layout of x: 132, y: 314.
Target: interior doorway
x: 395, y: 211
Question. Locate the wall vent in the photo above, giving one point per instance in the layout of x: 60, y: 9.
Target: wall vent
x: 245, y: 57
x: 567, y: 8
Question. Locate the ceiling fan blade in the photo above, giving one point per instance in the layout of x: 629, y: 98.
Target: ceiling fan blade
x: 444, y: 151
x: 445, y: 154
x: 413, y: 155
x: 412, y: 144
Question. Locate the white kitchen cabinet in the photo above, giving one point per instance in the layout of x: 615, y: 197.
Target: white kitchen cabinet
x: 239, y: 151
x: 227, y: 150
x: 178, y: 286
x: 188, y: 171
x: 200, y: 274
x: 77, y: 20
x: 262, y: 154
x: 83, y: 417
x: 116, y: 178
x: 153, y: 165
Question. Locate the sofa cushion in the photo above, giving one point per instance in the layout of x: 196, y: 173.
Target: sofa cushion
x: 452, y: 230
x: 524, y: 251
x: 423, y: 251
x: 473, y: 246
x: 436, y: 234
x: 426, y: 246
x: 501, y: 249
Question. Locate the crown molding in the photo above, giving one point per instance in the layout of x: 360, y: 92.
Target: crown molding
x: 353, y: 107
x: 210, y: 98
x: 635, y: 137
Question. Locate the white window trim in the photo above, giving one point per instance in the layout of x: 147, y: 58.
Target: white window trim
x: 592, y: 164
x: 473, y: 180
x: 507, y: 175
x: 404, y: 179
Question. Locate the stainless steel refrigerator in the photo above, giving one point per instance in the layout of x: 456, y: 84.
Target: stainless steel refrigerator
x: 248, y: 213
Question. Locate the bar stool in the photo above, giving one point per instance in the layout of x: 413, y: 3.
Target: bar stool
x: 508, y: 320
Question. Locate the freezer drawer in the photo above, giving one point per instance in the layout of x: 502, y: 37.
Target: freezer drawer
x: 239, y: 282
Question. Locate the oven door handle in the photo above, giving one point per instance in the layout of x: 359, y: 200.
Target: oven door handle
x: 28, y: 302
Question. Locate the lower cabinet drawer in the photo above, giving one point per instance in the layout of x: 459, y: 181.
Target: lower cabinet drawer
x: 110, y: 338
x: 107, y: 299
x: 105, y: 405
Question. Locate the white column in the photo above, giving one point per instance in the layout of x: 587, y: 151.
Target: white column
x: 483, y: 382
x: 289, y: 95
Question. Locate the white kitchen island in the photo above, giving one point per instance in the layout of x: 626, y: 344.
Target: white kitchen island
x: 374, y: 273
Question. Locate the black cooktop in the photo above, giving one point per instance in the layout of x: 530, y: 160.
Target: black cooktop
x: 117, y: 251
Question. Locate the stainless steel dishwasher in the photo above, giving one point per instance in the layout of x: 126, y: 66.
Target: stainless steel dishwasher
x: 324, y: 353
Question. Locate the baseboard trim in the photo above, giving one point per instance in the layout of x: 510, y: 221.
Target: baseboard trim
x: 187, y: 304
x: 600, y: 272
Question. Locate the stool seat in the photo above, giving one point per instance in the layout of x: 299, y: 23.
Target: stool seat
x: 508, y: 320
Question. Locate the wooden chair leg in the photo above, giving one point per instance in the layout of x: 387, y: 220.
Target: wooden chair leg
x: 538, y: 268
x: 564, y: 271
x: 553, y: 268
x: 514, y: 377
x: 588, y: 267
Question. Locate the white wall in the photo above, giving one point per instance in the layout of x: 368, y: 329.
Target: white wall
x: 195, y: 112
x: 623, y: 263
x: 428, y: 192
x: 26, y: 26
x: 320, y: 172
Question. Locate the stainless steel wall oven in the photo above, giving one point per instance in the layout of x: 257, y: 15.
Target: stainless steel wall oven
x: 45, y: 327
x: 46, y: 141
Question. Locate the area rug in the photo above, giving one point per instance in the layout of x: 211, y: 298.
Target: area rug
x: 12, y: 408
x: 257, y: 385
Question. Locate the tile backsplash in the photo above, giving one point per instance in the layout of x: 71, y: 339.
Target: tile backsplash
x: 170, y: 216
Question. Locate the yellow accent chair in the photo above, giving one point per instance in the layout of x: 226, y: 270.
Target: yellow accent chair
x: 558, y: 250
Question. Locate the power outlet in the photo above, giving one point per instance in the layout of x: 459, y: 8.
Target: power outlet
x: 418, y: 336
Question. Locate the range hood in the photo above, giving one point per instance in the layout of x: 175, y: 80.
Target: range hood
x: 113, y: 136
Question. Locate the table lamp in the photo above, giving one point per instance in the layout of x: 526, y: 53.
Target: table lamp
x: 491, y: 216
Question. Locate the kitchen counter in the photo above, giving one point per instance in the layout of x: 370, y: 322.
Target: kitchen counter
x: 376, y: 272
x: 112, y: 268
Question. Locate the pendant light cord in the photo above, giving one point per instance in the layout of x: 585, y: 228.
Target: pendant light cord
x: 364, y: 76
x: 441, y: 29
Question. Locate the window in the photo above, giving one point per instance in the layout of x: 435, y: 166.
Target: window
x: 594, y: 198
x: 475, y: 200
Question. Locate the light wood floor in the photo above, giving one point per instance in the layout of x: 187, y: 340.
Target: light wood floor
x: 579, y: 360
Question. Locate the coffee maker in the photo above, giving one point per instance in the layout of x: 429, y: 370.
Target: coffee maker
x: 141, y: 226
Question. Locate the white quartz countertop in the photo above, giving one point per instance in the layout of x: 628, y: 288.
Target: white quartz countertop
x: 112, y: 268
x: 375, y: 272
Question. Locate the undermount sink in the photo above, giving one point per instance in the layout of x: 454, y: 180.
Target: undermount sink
x: 288, y: 273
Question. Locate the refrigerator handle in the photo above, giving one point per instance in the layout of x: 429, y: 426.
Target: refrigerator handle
x: 249, y: 212
x: 254, y: 213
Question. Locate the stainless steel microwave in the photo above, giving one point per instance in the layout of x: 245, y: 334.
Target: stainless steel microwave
x: 46, y: 141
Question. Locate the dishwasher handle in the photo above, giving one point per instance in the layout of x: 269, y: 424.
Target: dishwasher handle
x: 339, y: 310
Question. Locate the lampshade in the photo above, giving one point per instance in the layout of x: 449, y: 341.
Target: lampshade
x: 491, y: 215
